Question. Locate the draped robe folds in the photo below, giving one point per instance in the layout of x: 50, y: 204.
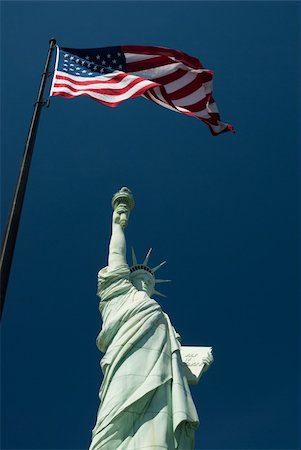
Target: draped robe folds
x: 145, y: 398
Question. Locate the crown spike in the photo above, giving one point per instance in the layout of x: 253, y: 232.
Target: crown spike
x: 134, y: 259
x: 162, y: 281
x: 159, y: 293
x: 158, y: 267
x: 145, y: 262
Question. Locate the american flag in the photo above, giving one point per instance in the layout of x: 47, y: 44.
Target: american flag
x: 110, y: 75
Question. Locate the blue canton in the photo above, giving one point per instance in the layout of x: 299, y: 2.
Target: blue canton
x: 91, y: 62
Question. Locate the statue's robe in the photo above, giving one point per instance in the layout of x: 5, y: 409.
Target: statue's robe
x: 145, y: 397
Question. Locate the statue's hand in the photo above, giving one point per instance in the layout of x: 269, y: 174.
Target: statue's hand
x: 121, y: 215
x: 208, y: 360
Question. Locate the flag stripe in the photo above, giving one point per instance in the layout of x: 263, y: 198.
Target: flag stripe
x: 157, y: 72
x: 194, y: 107
x: 104, y: 91
x: 151, y: 95
x: 173, y: 87
x: 192, y: 98
x: 182, y: 88
x: 103, y: 79
x: 133, y: 57
x: 155, y: 50
x: 111, y: 100
x: 120, y: 82
x: 157, y: 61
x: 177, y: 74
x: 167, y: 77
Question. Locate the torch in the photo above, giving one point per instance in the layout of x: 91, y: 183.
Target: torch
x: 125, y: 199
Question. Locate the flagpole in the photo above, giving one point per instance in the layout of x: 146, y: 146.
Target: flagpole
x: 12, y: 225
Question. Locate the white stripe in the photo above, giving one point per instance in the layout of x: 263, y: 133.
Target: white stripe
x: 212, y: 107
x: 158, y: 93
x: 204, y: 114
x: 159, y: 102
x: 100, y: 85
x: 157, y: 72
x: 104, y: 97
x: 191, y: 99
x: 208, y: 87
x: 221, y: 126
x: 161, y: 71
x: 186, y: 79
x: 180, y: 83
x: 103, y: 77
x: 133, y: 57
x: 162, y: 102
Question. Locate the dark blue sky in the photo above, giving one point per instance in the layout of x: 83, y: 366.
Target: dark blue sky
x: 222, y: 210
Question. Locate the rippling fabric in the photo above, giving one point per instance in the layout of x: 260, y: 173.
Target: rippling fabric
x: 145, y: 398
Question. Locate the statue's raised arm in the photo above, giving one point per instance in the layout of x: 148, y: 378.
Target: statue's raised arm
x: 123, y: 203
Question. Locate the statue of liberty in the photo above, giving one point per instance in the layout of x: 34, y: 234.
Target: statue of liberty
x: 145, y: 397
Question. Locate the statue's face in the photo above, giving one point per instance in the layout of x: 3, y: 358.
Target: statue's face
x: 143, y: 281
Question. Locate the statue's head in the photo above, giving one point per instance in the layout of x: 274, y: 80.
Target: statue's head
x: 143, y: 277
x: 143, y: 281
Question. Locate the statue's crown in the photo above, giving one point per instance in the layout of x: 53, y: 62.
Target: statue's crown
x: 145, y: 268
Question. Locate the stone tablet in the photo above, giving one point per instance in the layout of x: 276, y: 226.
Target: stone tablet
x: 196, y: 361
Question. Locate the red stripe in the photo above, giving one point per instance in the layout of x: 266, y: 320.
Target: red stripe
x: 165, y: 96
x: 117, y: 78
x: 151, y: 50
x: 186, y: 90
x: 106, y: 91
x: 156, y: 99
x: 203, y: 77
x: 147, y: 64
x: 147, y: 94
x: 165, y: 79
x: 214, y: 120
x: 165, y: 99
x: 198, y: 106
x: 151, y: 91
x: 154, y: 94
x: 192, y: 109
x: 112, y: 105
